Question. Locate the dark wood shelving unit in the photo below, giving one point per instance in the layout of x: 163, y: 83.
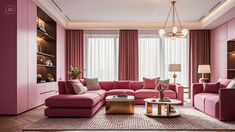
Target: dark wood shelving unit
x: 44, y: 35
x: 46, y: 42
x: 231, y: 59
x: 45, y: 54
x: 42, y: 65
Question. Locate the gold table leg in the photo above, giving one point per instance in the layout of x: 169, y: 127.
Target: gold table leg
x: 168, y: 109
x: 159, y: 106
x: 149, y: 107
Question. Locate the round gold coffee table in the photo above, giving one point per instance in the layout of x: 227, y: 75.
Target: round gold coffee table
x: 169, y: 111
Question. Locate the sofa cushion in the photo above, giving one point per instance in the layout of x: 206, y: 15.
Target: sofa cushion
x: 170, y: 94
x: 120, y: 91
x: 224, y: 82
x: 100, y: 92
x: 199, y: 100
x: 150, y: 83
x: 69, y: 86
x: 92, y: 83
x: 211, y: 87
x: 83, y: 100
x: 146, y: 93
x: 212, y: 105
x: 171, y: 87
x: 121, y: 85
x: 135, y: 85
x: 106, y: 85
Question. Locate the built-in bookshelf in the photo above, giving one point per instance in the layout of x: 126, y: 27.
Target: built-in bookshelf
x: 46, y: 48
x: 231, y: 59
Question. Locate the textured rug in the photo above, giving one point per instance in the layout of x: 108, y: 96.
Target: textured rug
x: 190, y: 119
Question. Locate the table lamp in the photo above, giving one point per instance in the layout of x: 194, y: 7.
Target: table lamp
x: 174, y: 68
x: 204, y: 69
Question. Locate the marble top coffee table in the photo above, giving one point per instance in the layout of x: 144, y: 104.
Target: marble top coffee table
x: 164, y: 108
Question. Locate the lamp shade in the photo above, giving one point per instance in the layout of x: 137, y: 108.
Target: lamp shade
x: 174, y: 67
x: 204, y: 69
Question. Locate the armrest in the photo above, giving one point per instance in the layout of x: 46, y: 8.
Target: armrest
x: 180, y: 93
x: 227, y: 104
x: 196, y: 88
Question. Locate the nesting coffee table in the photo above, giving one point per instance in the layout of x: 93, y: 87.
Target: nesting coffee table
x: 120, y: 105
x: 164, y: 109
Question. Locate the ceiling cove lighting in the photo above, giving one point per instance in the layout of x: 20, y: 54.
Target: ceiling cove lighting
x: 175, y: 32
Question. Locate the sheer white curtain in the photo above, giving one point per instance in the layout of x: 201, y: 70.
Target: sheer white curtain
x: 101, y: 54
x: 155, y: 55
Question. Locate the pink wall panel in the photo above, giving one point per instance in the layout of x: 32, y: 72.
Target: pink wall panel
x: 8, y: 65
x: 231, y: 29
x: 32, y: 53
x: 219, y: 37
x: 22, y: 55
x: 61, y: 52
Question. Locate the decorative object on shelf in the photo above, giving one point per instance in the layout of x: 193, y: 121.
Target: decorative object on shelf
x: 161, y: 87
x: 74, y: 72
x: 39, y: 78
x: 174, y: 68
x: 204, y: 69
x: 48, y: 63
x: 40, y: 59
x: 41, y: 24
x: 49, y: 77
x: 175, y: 32
x: 39, y: 47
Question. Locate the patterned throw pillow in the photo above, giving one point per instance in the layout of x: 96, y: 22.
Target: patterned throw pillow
x: 92, y: 83
x: 79, y: 88
x: 150, y: 83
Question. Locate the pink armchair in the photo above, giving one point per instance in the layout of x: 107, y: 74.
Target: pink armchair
x: 219, y: 105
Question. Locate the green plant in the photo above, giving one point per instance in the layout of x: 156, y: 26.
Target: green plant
x: 74, y: 72
x: 49, y: 77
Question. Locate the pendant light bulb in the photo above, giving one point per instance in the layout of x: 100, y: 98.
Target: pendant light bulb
x: 175, y: 29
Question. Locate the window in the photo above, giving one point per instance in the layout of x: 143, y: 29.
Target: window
x: 155, y: 55
x: 101, y: 54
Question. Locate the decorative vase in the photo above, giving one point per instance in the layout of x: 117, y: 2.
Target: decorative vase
x: 161, y: 95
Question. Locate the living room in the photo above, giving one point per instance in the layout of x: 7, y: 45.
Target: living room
x: 117, y: 65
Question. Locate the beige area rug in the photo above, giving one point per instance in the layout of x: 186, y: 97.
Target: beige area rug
x: 190, y: 119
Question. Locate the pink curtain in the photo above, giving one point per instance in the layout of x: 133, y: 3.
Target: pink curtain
x: 199, y: 53
x: 128, y: 55
x: 74, y: 49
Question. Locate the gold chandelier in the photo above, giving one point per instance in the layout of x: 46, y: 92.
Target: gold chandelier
x: 175, y: 32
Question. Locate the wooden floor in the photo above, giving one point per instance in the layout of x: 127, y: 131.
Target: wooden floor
x: 16, y: 123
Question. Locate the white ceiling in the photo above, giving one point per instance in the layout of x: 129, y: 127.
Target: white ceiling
x: 133, y: 10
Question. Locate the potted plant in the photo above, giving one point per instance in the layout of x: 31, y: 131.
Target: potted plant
x: 49, y: 77
x: 161, y: 87
x: 74, y: 72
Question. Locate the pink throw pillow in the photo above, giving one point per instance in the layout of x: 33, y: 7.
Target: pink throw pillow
x: 150, y: 83
x: 211, y: 87
x: 121, y: 85
x: 69, y: 86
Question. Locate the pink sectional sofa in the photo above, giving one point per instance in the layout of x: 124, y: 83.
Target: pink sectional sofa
x: 219, y: 105
x: 68, y: 104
